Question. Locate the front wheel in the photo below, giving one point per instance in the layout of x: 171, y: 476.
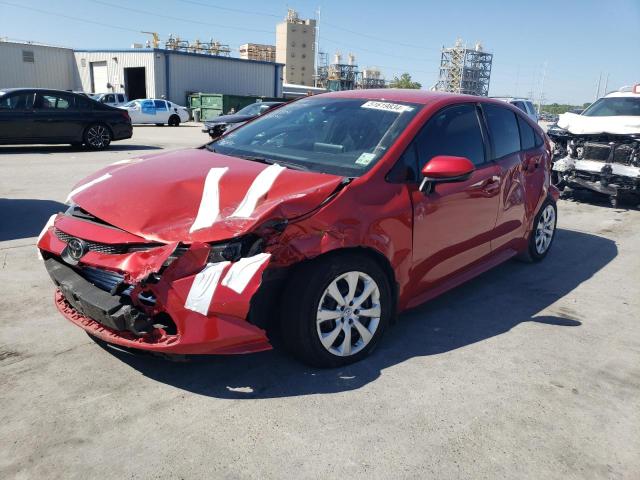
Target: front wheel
x: 543, y: 232
x: 97, y: 137
x: 336, y: 309
x: 174, y: 121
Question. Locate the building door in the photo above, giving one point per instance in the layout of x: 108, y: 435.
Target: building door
x: 99, y: 77
x: 135, y: 83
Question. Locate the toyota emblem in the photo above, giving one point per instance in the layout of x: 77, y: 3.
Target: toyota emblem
x: 76, y: 248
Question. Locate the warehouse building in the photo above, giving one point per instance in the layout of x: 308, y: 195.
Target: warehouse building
x: 140, y: 73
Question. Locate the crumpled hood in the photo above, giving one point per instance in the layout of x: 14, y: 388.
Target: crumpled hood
x: 582, y: 125
x: 197, y: 195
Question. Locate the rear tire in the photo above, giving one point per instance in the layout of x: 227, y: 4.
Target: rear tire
x: 542, y: 233
x: 97, y: 136
x: 324, y: 331
x: 174, y: 121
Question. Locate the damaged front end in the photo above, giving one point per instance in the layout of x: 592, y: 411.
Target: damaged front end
x: 169, y: 298
x: 605, y: 163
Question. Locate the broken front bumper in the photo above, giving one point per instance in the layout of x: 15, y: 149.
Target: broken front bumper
x: 603, y: 177
x: 188, y: 307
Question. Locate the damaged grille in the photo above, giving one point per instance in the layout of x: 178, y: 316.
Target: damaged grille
x: 103, y: 279
x: 111, y: 249
x: 596, y: 151
x: 612, y: 152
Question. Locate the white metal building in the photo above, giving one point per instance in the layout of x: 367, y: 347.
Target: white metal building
x: 155, y: 72
x: 141, y: 73
x: 33, y: 65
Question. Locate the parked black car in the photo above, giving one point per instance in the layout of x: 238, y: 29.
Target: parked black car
x: 224, y: 123
x: 34, y: 115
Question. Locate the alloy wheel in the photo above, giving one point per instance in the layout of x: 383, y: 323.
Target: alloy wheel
x: 545, y: 229
x: 98, y: 136
x: 348, y: 314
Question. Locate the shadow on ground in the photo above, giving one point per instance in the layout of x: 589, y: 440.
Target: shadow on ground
x: 485, y: 307
x: 46, y: 149
x: 25, y: 218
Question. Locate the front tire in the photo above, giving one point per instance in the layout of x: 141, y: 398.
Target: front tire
x: 336, y: 309
x: 174, y: 121
x: 97, y: 136
x: 543, y: 232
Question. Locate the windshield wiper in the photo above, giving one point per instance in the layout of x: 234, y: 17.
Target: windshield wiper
x: 268, y: 161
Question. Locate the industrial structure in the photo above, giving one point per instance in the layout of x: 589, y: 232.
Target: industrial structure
x: 339, y: 75
x: 295, y: 40
x: 464, y: 70
x: 258, y: 51
x: 140, y: 72
x: 212, y: 47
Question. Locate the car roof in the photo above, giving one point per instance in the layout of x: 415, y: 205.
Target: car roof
x: 28, y: 89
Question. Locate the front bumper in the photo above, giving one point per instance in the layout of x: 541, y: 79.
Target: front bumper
x: 124, y: 316
x: 602, y: 177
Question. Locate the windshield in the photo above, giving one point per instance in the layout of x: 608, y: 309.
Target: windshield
x: 331, y: 135
x: 614, y: 107
x: 253, y: 109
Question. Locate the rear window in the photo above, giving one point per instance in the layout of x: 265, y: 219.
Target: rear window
x: 503, y: 130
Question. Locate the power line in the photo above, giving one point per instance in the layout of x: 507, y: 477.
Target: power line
x: 188, y: 20
x: 229, y: 9
x: 69, y: 17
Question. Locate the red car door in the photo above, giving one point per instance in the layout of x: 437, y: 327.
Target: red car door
x: 453, y: 224
x: 506, y: 148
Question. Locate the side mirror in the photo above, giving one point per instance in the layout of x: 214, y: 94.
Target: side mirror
x: 445, y: 169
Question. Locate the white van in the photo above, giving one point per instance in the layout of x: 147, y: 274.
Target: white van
x: 112, y: 99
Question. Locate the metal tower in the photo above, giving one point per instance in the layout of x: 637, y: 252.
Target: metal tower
x: 464, y: 70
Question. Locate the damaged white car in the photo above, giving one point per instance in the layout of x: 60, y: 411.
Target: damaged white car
x: 599, y: 150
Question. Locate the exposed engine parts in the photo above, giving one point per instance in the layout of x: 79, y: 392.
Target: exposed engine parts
x: 605, y: 163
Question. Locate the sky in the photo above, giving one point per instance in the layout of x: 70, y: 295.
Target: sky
x: 559, y: 48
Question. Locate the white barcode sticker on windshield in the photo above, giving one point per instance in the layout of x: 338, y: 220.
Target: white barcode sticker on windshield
x: 387, y: 107
x: 365, y: 158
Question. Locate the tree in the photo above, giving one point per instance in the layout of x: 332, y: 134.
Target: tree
x: 404, y: 82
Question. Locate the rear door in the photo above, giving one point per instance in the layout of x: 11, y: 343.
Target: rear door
x: 453, y: 224
x: 504, y: 134
x: 162, y: 111
x: 534, y: 159
x: 56, y: 117
x: 16, y: 116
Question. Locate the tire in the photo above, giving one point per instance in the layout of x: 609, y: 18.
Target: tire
x: 97, y: 136
x: 308, y: 291
x: 174, y: 121
x: 540, y: 240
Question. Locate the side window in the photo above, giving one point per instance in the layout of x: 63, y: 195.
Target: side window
x: 503, y: 130
x: 82, y: 103
x: 452, y: 131
x: 527, y: 140
x: 19, y: 101
x: 53, y: 102
x: 520, y: 105
x: 120, y: 98
x: 532, y: 109
x: 109, y: 98
x: 160, y: 105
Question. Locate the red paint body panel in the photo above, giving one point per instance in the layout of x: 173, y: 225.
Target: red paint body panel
x: 431, y: 242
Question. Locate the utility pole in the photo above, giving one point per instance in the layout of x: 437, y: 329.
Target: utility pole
x: 544, y: 74
x: 317, y: 55
x: 606, y: 84
x: 598, y: 89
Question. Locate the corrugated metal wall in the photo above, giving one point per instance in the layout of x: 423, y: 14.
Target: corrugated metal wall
x: 117, y: 61
x: 201, y: 73
x: 52, y: 67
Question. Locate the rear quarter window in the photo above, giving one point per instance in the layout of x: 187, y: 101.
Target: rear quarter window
x: 503, y: 130
x: 527, y: 135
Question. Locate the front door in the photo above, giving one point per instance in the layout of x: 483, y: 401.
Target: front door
x: 16, y: 116
x: 453, y: 224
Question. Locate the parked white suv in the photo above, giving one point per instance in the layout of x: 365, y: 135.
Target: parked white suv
x: 112, y: 99
x: 523, y: 104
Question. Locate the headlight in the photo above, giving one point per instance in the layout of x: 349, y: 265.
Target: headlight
x: 225, y: 252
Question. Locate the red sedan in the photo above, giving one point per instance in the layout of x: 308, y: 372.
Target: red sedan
x: 324, y: 218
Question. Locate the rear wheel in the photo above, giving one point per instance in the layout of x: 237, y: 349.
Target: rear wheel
x: 543, y: 233
x: 336, y: 309
x: 97, y: 136
x: 174, y: 121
